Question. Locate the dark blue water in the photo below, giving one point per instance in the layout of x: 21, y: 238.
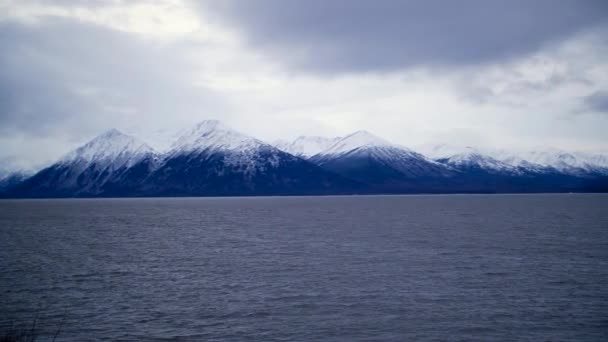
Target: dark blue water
x: 382, y: 268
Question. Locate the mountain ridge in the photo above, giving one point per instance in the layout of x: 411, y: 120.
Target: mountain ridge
x: 211, y: 159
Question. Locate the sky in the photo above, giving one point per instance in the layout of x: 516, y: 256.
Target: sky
x: 513, y: 74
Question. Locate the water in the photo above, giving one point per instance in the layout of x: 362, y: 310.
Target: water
x: 380, y: 268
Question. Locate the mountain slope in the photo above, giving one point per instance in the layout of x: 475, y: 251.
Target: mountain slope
x: 385, y: 167
x: 212, y: 159
x: 472, y: 159
x: 551, y: 160
x: 306, y: 146
x: 498, y: 171
x: 13, y: 171
x: 111, y: 164
x: 13, y: 179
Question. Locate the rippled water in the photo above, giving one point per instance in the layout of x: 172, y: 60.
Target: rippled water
x: 380, y: 268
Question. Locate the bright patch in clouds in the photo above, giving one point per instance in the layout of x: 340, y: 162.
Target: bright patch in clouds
x: 161, y: 19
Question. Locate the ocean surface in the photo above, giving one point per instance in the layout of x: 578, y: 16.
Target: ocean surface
x: 360, y: 268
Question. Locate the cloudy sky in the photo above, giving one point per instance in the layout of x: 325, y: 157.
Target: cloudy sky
x: 509, y: 74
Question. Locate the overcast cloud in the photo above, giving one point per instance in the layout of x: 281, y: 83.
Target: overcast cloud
x: 597, y: 102
x: 511, y: 74
x: 385, y: 35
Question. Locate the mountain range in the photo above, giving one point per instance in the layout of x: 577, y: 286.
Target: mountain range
x: 212, y: 159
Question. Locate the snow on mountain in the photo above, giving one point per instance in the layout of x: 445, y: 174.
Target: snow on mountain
x: 6, y: 173
x: 438, y: 151
x: 546, y: 160
x: 213, y: 135
x: 515, y: 158
x: 464, y: 156
x: 213, y: 159
x: 306, y: 146
x: 98, y: 159
x: 563, y: 161
x: 595, y: 159
x: 372, y: 145
x: 368, y: 158
x: 471, y: 157
x: 110, y: 161
x: 282, y: 144
x: 13, y: 168
x: 356, y: 140
x: 111, y: 148
x: 9, y: 179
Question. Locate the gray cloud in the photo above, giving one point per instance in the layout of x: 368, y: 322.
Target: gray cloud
x: 597, y: 102
x: 359, y: 35
x: 64, y: 80
x: 75, y: 79
x: 514, y: 91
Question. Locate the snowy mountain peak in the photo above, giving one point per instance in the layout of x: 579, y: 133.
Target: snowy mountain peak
x: 474, y: 158
x: 356, y: 140
x: 212, y: 134
x: 468, y: 153
x: 439, y: 151
x: 111, y: 133
x: 464, y: 156
x: 568, y: 162
x: 210, y: 125
x: 110, y: 146
x: 306, y: 146
x: 367, y: 138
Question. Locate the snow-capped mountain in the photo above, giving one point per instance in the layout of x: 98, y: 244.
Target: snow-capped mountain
x: 109, y: 161
x: 467, y: 157
x: 111, y: 149
x: 213, y: 159
x: 362, y: 144
x: 306, y: 146
x: 367, y: 158
x: 480, y: 171
x: 11, y: 179
x: 539, y: 161
x: 212, y: 138
x: 473, y: 159
x: 354, y: 141
x: 438, y: 151
x: 213, y: 135
x: 563, y: 161
x: 14, y: 171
